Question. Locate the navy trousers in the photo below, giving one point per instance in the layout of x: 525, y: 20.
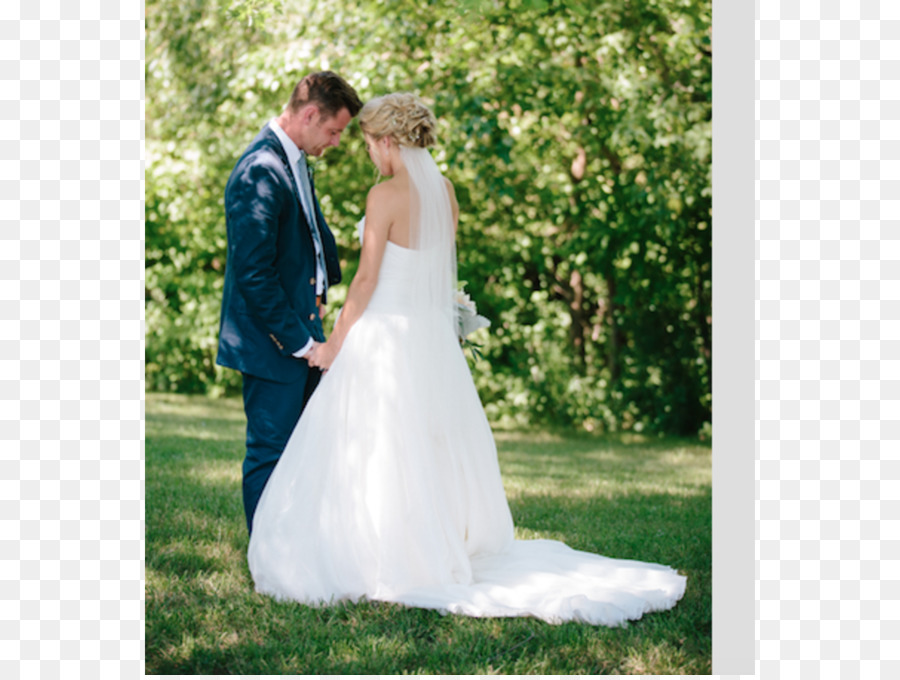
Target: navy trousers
x: 272, y: 410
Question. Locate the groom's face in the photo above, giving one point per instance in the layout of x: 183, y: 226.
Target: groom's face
x: 324, y: 131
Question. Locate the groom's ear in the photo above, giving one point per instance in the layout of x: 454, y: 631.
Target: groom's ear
x: 308, y: 113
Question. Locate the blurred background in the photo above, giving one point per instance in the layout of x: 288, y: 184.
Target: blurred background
x: 577, y: 135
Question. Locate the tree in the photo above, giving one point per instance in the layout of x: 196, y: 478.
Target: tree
x: 577, y: 135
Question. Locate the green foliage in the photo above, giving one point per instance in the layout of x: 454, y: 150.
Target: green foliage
x: 577, y: 135
x: 627, y: 496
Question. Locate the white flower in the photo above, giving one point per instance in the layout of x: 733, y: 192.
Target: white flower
x: 463, y: 301
x: 469, y: 319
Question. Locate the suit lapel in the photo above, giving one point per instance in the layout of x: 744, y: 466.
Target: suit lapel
x: 327, y: 244
x: 282, y: 155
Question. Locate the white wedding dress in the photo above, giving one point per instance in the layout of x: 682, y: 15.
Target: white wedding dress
x: 389, y: 489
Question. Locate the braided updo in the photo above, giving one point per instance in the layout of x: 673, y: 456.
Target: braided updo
x: 401, y: 116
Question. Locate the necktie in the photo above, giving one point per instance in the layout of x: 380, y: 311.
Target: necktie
x: 309, y: 208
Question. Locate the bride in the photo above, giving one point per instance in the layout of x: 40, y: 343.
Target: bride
x: 389, y: 487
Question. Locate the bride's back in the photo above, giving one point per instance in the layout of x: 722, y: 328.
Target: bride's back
x: 402, y: 203
x: 397, y: 205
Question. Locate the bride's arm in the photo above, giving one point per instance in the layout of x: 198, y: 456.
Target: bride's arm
x: 454, y: 206
x: 378, y: 223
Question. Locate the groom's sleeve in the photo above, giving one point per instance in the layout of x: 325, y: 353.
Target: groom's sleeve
x: 252, y: 206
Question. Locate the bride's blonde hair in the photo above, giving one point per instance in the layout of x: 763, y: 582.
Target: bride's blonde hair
x: 401, y: 116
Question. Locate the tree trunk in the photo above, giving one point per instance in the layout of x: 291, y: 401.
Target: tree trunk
x: 614, y: 334
x: 579, y: 324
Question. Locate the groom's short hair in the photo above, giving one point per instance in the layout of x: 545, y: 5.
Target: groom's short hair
x: 328, y: 91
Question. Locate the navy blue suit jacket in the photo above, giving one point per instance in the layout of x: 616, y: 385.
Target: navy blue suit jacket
x: 269, y: 302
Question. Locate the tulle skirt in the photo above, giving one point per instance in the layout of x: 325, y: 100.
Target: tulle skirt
x: 389, y: 489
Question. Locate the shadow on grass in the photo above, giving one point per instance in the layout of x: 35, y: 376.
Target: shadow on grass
x: 609, y: 457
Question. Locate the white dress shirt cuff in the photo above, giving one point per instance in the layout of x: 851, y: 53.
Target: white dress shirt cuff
x: 303, y: 350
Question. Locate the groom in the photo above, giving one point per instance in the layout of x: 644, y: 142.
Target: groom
x: 281, y: 259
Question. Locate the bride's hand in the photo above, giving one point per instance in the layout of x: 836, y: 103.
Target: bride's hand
x: 322, y: 356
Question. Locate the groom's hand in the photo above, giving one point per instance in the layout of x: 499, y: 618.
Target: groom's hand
x: 310, y: 352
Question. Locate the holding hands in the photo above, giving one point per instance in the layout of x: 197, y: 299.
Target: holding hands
x: 322, y: 355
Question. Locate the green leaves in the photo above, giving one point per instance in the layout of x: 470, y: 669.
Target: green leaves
x: 577, y: 135
x: 255, y: 10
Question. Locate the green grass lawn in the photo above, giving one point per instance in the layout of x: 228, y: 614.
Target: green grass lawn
x: 622, y: 496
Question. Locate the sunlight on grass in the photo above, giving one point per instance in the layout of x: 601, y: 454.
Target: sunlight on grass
x: 344, y: 653
x: 190, y: 406
x: 216, y: 472
x: 652, y: 660
x: 196, y: 418
x: 183, y: 651
x: 600, y: 468
x: 199, y: 431
x: 204, y: 433
x: 537, y: 436
x: 196, y: 521
x: 522, y: 533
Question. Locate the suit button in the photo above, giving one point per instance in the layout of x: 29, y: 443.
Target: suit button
x: 312, y: 317
x: 312, y: 281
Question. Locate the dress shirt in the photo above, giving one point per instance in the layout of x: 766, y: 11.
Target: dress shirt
x: 294, y: 153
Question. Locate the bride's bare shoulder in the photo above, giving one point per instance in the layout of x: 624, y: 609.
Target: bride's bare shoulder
x: 380, y: 193
x: 389, y: 190
x: 384, y: 201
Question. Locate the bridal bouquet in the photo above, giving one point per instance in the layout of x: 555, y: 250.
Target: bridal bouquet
x: 469, y: 321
